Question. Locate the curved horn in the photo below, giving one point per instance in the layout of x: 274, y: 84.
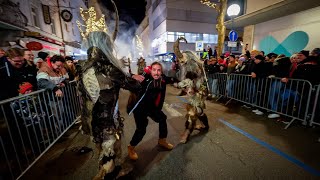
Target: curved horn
x: 176, y: 48
x: 114, y: 35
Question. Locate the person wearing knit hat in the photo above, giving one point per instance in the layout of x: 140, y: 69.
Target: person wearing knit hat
x: 25, y: 88
x: 271, y: 57
x: 43, y: 55
x: 227, y: 54
x: 38, y: 61
x: 259, y: 57
x: 304, y: 52
x: 242, y: 59
x: 71, y: 68
x: 302, y: 55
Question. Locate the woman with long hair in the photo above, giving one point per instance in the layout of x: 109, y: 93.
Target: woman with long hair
x: 70, y: 67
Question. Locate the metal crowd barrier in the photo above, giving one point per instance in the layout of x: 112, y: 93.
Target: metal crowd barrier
x: 31, y: 124
x: 217, y: 84
x: 315, y: 118
x: 291, y: 99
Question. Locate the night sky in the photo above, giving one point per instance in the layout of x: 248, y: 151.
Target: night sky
x: 131, y: 12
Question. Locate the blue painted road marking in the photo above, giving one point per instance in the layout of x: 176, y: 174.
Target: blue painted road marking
x: 182, y: 99
x: 273, y: 149
x: 268, y: 146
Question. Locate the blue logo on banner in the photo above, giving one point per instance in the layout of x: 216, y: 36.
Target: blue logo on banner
x: 233, y: 35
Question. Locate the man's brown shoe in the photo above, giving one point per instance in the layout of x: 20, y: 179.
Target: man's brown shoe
x: 131, y: 153
x: 163, y: 143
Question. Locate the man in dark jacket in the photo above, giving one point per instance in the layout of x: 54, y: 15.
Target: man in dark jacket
x: 278, y: 90
x: 13, y: 72
x: 259, y: 74
x: 148, y: 102
x: 307, y: 69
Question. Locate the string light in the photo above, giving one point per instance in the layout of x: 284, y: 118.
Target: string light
x: 139, y: 44
x: 91, y: 23
x: 208, y: 3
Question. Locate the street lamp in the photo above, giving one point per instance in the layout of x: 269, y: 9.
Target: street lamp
x: 232, y: 11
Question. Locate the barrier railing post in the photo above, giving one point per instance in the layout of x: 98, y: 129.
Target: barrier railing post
x: 316, y: 106
x: 291, y: 99
x: 33, y: 123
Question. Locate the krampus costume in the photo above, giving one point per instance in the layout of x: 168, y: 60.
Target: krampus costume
x: 100, y: 81
x: 141, y: 65
x: 192, y: 79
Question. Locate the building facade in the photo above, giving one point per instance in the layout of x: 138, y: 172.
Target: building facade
x: 48, y: 26
x: 280, y: 26
x: 170, y: 19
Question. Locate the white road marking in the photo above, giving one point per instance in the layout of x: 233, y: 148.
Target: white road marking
x: 171, y: 110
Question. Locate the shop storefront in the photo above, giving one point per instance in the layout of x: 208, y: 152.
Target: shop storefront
x: 37, y: 42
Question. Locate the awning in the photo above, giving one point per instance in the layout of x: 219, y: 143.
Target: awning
x: 274, y: 11
x: 51, y: 48
x: 43, y: 37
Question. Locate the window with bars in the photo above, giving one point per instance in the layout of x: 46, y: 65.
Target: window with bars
x: 86, y: 2
x: 192, y: 37
x: 72, y: 28
x: 34, y: 14
x: 53, y: 27
x: 66, y: 26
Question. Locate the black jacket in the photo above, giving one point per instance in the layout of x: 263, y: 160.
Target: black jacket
x: 249, y: 65
x: 308, y: 70
x: 11, y: 78
x: 260, y: 70
x: 281, y: 67
x: 213, y: 68
x: 151, y: 95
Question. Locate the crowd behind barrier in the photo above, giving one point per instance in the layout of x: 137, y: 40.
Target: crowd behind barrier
x: 296, y: 99
x: 31, y: 124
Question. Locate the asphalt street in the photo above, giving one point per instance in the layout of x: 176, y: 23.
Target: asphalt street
x: 239, y: 145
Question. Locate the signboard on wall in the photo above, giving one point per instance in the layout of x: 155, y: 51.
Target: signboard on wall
x: 232, y: 44
x: 34, y: 46
x: 199, y: 46
x: 46, y: 14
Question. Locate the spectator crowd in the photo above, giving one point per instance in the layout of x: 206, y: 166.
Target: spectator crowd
x: 19, y: 66
x: 303, y: 65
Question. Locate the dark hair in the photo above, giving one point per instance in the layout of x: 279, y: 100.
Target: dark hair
x: 43, y: 55
x: 232, y: 56
x: 260, y: 57
x: 68, y: 58
x: 304, y: 52
x: 272, y: 55
x: 316, y: 51
x: 56, y: 58
x: 14, y: 52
